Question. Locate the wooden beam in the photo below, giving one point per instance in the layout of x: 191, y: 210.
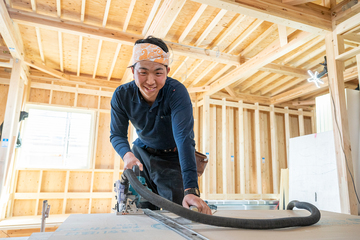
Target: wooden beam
x: 256, y: 79
x: 265, y: 57
x: 301, y: 123
x: 9, y: 34
x: 97, y: 58
x: 193, y: 70
x: 210, y: 27
x: 348, y: 199
x: 128, y: 15
x: 203, y: 74
x: 165, y: 17
x: 218, y: 74
x: 117, y: 51
x: 287, y: 134
x: 352, y: 37
x: 244, y: 35
x: 151, y: 16
x: 58, y: 8
x: 67, y: 77
x: 105, y: 34
x: 197, y: 89
x: 38, y: 37
x: 358, y: 66
x: 191, y: 24
x: 349, y: 54
x: 285, y: 70
x: 259, y: 39
x: 343, y: 11
x: 296, y: 2
x: 230, y: 91
x: 349, y: 23
x: 282, y: 35
x: 317, y: 22
x: 228, y: 31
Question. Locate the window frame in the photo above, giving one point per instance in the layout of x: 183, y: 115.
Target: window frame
x: 92, y: 145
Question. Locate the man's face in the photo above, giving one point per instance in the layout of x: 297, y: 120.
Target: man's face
x: 150, y: 77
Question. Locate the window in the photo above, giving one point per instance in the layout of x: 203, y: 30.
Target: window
x: 57, y: 138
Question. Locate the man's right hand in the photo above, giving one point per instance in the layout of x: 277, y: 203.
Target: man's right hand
x: 130, y: 160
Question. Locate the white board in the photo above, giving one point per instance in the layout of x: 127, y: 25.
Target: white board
x: 312, y: 171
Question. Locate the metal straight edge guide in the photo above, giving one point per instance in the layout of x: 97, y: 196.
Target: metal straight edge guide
x: 168, y: 222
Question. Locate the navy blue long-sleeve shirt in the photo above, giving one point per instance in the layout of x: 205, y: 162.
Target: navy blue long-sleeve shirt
x: 168, y: 123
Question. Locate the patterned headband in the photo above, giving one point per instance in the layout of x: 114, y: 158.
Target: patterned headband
x: 150, y: 52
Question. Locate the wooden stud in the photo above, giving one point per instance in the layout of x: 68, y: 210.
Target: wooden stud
x: 301, y: 123
x: 213, y: 168
x: 231, y: 150
x: 341, y: 128
x: 241, y: 168
x: 358, y: 66
x: 192, y: 22
x: 66, y: 191
x: 257, y: 149
x: 97, y: 57
x: 33, y: 5
x: 128, y: 15
x: 196, y: 124
x: 274, y: 150
x: 287, y: 134
x: 224, y: 148
x: 206, y: 145
x: 313, y: 121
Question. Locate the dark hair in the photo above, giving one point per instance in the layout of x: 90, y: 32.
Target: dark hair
x: 156, y: 41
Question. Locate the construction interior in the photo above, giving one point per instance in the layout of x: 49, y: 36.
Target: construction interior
x: 244, y: 62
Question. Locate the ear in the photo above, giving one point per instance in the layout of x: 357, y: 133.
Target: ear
x: 132, y: 70
x: 168, y: 69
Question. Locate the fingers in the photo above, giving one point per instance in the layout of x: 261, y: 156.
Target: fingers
x: 140, y: 165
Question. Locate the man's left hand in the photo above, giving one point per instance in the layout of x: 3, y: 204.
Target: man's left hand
x: 192, y: 200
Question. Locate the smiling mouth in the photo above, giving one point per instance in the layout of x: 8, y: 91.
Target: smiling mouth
x: 150, y: 89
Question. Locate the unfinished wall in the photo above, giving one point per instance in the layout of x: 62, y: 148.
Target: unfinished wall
x: 247, y: 147
x: 69, y: 190
x: 4, y: 90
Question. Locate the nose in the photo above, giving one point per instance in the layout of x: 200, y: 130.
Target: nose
x: 150, y: 79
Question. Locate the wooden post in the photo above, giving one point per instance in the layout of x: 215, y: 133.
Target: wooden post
x: 358, y: 66
x: 313, y: 121
x: 224, y: 147
x: 241, y: 148
x: 274, y: 150
x: 287, y: 134
x: 10, y: 127
x: 340, y: 122
x: 257, y: 149
x: 206, y: 145
x: 301, y: 122
x: 231, y: 147
x: 196, y: 124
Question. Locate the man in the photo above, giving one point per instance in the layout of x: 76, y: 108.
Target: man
x: 160, y: 109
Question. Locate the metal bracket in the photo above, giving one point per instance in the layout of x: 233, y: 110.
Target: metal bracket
x: 44, y: 214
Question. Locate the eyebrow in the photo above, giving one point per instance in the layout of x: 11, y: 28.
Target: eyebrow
x: 144, y: 68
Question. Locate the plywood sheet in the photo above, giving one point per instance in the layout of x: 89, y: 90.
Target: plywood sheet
x: 77, y: 205
x: 103, y: 182
x: 56, y: 206
x: 24, y: 207
x: 88, y: 101
x: 53, y: 181
x: 105, y: 103
x: 105, y: 153
x: 111, y: 226
x: 63, y: 98
x: 28, y: 181
x: 39, y: 95
x: 101, y: 205
x: 79, y: 181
